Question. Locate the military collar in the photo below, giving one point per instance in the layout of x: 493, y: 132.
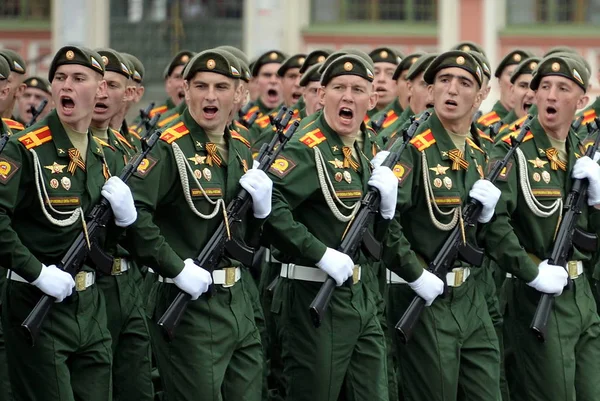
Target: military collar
x: 335, y: 143
x: 395, y: 105
x: 61, y: 140
x: 541, y: 141
x: 264, y: 109
x: 197, y: 133
x: 180, y: 107
x: 510, y: 117
x: 406, y: 114
x: 442, y: 139
x: 169, y: 103
x: 500, y: 110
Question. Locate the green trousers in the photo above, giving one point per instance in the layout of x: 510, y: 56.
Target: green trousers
x: 565, y: 367
x: 72, y: 357
x: 130, y: 337
x: 453, y: 352
x: 342, y: 359
x: 216, y: 353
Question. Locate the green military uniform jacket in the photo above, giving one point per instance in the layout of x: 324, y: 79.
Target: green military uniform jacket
x: 162, y: 109
x: 11, y: 126
x: 516, y: 230
x: 497, y: 113
x: 131, y: 135
x: 171, y: 115
x: 167, y: 230
x: 590, y: 112
x: 515, y: 124
x: 302, y: 225
x: 387, y: 134
x: 392, y: 112
x: 28, y: 237
x: 415, y: 239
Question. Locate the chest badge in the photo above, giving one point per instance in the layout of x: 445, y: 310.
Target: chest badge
x: 197, y: 159
x: 56, y: 168
x: 198, y: 174
x: 536, y: 177
x: 54, y: 183
x: 207, y: 174
x: 337, y: 163
x: 448, y: 182
x: 338, y: 176
x: 66, y: 183
x: 546, y: 177
x: 347, y: 177
x: 437, y: 182
x: 439, y: 169
x: 538, y: 163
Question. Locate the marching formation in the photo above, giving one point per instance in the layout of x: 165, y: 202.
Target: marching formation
x: 331, y: 226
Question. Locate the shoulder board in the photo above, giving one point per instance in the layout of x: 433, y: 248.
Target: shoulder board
x: 489, y: 118
x: 36, y: 138
x: 391, y: 117
x: 513, y: 126
x: 240, y: 138
x: 484, y: 136
x: 298, y: 119
x: 104, y: 143
x: 263, y: 121
x: 512, y: 134
x: 167, y: 120
x: 134, y: 133
x: 175, y: 132
x: 159, y: 109
x: 250, y: 112
x: 296, y: 114
x: 121, y: 138
x: 588, y: 116
x: 474, y: 145
x: 423, y: 140
x: 240, y: 126
x: 12, y: 124
x: 366, y: 119
x: 313, y: 138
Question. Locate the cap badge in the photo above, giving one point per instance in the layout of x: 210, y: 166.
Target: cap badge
x: 301, y: 60
x: 555, y: 67
x: 105, y: 60
x: 383, y: 54
x: 33, y: 82
x: 210, y: 64
x: 517, y: 57
x: 70, y: 55
x: 185, y: 58
x: 273, y: 56
x: 533, y: 65
x: 460, y: 60
x: 348, y: 66
x: 320, y: 59
x: 466, y: 48
x: 413, y: 59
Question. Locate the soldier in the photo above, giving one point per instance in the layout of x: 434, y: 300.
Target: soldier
x: 315, y: 57
x: 289, y: 72
x: 37, y: 89
x: 54, y: 173
x: 467, y: 46
x: 522, y: 235
x: 503, y: 72
x: 16, y: 87
x: 311, y: 82
x: 453, y: 352
x: 327, y: 160
x: 124, y: 302
x: 217, y: 350
x: 386, y: 60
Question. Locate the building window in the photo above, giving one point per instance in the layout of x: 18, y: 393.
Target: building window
x: 553, y: 11
x: 29, y: 9
x: 374, y: 10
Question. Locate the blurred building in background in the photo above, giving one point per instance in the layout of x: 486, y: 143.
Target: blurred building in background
x: 154, y: 30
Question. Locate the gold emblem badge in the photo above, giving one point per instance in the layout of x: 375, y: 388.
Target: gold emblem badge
x: 466, y: 48
x: 105, y: 60
x: 301, y: 60
x: 460, y: 60
x: 412, y: 60
x: 56, y: 168
x: 34, y: 82
x: 448, y: 182
x: 532, y: 65
x: 546, y: 177
x: 273, y: 56
x: 439, y: 169
x: 54, y: 183
x: 198, y: 174
x: 538, y: 163
x: 207, y: 174
x: 210, y: 64
x: 320, y: 59
x: 66, y: 183
x: 347, y: 177
x: 185, y: 58
x: 338, y: 176
x: 383, y: 54
x: 70, y: 55
x: 517, y: 57
x: 536, y: 177
x: 348, y: 66
x: 337, y: 163
x: 555, y: 67
x: 437, y: 182
x: 197, y: 159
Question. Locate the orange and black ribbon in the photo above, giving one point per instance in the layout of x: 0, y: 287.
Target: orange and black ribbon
x: 555, y: 162
x: 76, y: 161
x: 348, y: 159
x: 213, y: 155
x: 457, y: 160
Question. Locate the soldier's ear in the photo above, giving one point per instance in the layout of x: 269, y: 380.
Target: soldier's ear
x: 321, y: 94
x: 373, y: 98
x: 186, y: 90
x: 20, y: 90
x: 237, y: 96
x: 139, y: 93
x: 583, y: 101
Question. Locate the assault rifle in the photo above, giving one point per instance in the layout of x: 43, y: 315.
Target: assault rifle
x: 35, y: 112
x: 495, y: 129
x: 567, y: 236
x: 221, y: 240
x: 145, y: 118
x: 76, y: 255
x: 376, y: 124
x: 456, y: 245
x: 357, y: 233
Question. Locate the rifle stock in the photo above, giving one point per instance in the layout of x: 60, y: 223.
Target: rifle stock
x: 35, y: 112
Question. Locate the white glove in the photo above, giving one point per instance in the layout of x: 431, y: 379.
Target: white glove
x: 551, y: 279
x: 428, y: 286
x: 379, y: 158
x: 488, y: 194
x: 121, y: 201
x: 337, y: 265
x: 55, y: 282
x: 386, y: 182
x: 260, y: 187
x: 587, y: 168
x: 193, y: 279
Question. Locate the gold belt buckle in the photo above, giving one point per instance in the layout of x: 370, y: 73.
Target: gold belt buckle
x: 459, y: 274
x: 229, y: 276
x: 80, y: 281
x: 355, y: 274
x: 116, y: 267
x: 572, y: 268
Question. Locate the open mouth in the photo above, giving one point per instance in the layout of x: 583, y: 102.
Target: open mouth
x: 527, y: 106
x: 210, y: 111
x: 551, y: 110
x: 429, y: 105
x: 380, y: 89
x: 100, y: 107
x: 346, y: 114
x: 272, y: 95
x: 296, y: 96
x: 451, y: 103
x: 67, y: 105
x: 181, y: 95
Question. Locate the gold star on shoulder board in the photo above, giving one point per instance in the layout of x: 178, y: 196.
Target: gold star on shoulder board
x: 538, y: 163
x: 439, y: 169
x: 337, y: 163
x: 197, y: 159
x: 56, y: 168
